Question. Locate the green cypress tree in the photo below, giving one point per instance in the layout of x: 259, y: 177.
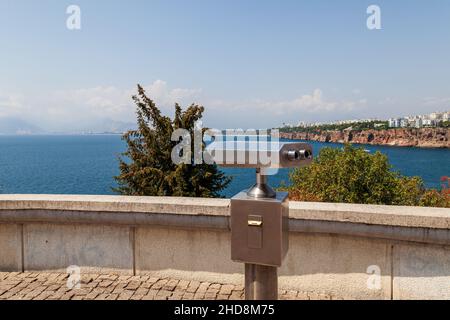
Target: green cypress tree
x: 146, y: 168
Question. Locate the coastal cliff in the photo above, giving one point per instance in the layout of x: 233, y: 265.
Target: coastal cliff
x: 411, y: 137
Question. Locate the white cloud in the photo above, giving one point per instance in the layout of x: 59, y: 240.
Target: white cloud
x: 310, y: 103
x: 11, y: 104
x: 314, y: 102
x: 80, y: 109
x: 437, y: 102
x: 259, y: 113
x: 160, y: 92
x: 116, y: 103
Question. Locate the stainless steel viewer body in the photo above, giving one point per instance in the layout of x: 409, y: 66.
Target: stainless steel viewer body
x: 259, y: 215
x: 259, y: 229
x: 260, y: 154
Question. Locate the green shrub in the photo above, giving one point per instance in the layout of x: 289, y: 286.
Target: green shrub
x: 351, y: 175
x: 434, y: 198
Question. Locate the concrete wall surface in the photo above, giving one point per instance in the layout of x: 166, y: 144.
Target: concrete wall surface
x: 338, y: 251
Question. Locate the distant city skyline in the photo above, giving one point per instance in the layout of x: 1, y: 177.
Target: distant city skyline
x: 433, y: 118
x: 251, y: 64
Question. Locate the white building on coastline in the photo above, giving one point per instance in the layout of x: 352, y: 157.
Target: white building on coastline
x: 417, y: 121
x: 429, y: 120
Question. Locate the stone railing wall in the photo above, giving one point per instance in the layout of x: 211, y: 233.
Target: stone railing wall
x: 340, y: 251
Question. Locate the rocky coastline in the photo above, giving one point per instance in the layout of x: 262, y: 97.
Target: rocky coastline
x: 410, y: 137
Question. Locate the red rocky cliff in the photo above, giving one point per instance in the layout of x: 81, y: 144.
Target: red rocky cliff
x: 424, y: 137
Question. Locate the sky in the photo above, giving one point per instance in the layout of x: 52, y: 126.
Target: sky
x: 251, y: 63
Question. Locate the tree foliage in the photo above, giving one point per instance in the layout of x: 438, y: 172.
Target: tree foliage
x: 352, y: 175
x: 357, y: 126
x: 146, y: 168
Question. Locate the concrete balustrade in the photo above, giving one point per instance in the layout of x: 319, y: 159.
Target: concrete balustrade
x: 336, y: 250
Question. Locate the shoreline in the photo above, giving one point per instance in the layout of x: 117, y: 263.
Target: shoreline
x: 426, y: 138
x: 375, y: 145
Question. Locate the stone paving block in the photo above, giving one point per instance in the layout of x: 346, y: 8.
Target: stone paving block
x: 141, y: 291
x: 148, y: 283
x: 182, y: 284
x: 170, y: 285
x: 236, y: 295
x: 112, y: 296
x: 199, y: 296
x: 42, y: 296
x: 152, y: 280
x: 210, y: 296
x: 105, y: 283
x: 109, y: 289
x: 53, y: 287
x: 92, y: 295
x: 102, y: 296
x: 203, y: 287
x: 188, y: 296
x: 215, y: 286
x: 133, y: 285
x: 125, y: 295
x: 163, y: 294
x: 176, y: 295
x: 193, y: 286
x: 226, y: 289
x: 46, y: 286
x: 124, y: 278
x: 212, y: 291
x: 239, y: 288
x: 150, y: 295
x: 159, y: 284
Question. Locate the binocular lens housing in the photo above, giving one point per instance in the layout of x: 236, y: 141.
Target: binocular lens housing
x: 293, y: 155
x: 305, y: 154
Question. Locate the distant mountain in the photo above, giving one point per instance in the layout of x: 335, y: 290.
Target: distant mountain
x: 10, y: 125
x: 118, y: 126
x: 111, y: 126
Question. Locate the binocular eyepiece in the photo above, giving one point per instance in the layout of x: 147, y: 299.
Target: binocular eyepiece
x: 293, y: 155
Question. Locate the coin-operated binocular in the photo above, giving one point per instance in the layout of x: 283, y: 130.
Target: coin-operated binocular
x: 259, y: 215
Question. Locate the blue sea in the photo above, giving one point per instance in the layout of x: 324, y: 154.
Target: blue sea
x: 86, y: 164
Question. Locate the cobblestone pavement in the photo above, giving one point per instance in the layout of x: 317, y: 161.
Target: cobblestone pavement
x: 54, y: 286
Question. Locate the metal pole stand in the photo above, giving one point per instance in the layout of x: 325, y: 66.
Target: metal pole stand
x: 261, y: 282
